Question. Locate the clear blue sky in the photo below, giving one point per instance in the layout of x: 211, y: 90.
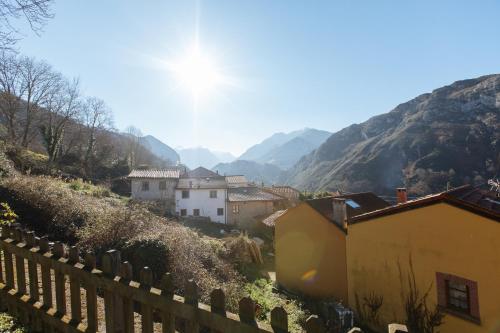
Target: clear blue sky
x: 320, y: 64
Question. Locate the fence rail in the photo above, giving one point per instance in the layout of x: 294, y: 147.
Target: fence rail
x: 123, y: 298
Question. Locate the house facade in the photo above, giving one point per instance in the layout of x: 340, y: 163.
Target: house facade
x: 448, y: 244
x: 155, y: 185
x: 201, y: 192
x: 310, y: 244
x: 247, y: 204
x: 445, y: 246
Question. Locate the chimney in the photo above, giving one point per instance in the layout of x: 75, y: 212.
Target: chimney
x: 401, y: 195
x: 339, y: 212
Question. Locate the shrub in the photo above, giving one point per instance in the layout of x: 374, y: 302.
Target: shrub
x: 7, y: 215
x: 261, y: 291
x: 98, y: 224
x: 145, y: 251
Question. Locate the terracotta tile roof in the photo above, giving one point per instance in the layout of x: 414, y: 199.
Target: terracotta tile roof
x: 239, y: 179
x: 270, y: 221
x: 356, y: 204
x: 251, y: 194
x: 201, y: 172
x: 155, y: 173
x: 476, y: 200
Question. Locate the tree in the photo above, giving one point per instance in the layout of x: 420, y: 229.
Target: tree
x: 12, y: 90
x: 62, y: 106
x: 96, y: 117
x: 39, y: 82
x: 35, y: 12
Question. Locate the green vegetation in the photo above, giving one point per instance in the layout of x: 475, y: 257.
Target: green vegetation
x: 314, y: 195
x: 9, y: 324
x: 261, y: 291
x: 7, y: 215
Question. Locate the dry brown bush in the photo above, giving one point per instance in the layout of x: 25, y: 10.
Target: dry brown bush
x: 99, y: 224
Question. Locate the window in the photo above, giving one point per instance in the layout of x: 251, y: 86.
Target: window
x: 458, y: 296
x: 236, y: 209
x: 213, y: 194
x: 185, y: 194
x: 220, y: 211
x: 145, y: 186
x: 163, y: 185
x: 196, y: 212
x: 352, y: 203
x: 183, y: 212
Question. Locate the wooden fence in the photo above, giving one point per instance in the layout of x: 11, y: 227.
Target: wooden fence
x: 31, y: 269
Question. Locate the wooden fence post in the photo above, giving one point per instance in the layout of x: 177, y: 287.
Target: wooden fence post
x: 20, y: 268
x: 9, y: 262
x: 315, y: 325
x: 247, y: 311
x: 91, y: 296
x: 167, y: 291
x: 74, y: 286
x: 32, y: 268
x: 46, y: 277
x: 218, y: 302
x: 60, y: 280
x: 191, y: 297
x: 126, y: 275
x: 279, y: 320
x: 146, y: 279
x: 110, y: 263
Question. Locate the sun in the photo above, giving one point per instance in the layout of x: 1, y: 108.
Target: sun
x: 197, y: 73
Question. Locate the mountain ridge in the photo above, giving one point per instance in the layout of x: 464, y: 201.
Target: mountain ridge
x: 418, y: 144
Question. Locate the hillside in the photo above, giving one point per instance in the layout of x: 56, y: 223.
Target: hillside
x: 285, y: 149
x: 160, y: 149
x: 450, y: 135
x: 256, y: 172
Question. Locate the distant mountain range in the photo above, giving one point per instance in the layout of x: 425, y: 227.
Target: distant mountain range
x: 285, y: 149
x: 160, y: 149
x: 256, y: 172
x: 448, y: 137
x: 200, y: 156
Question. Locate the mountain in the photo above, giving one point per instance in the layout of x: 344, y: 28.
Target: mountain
x: 160, y: 149
x: 256, y: 172
x: 224, y: 157
x: 450, y: 136
x: 198, y: 156
x: 285, y: 149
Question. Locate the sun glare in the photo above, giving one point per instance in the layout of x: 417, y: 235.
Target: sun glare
x: 197, y: 73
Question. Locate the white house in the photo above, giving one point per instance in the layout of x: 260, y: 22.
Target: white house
x: 202, y: 192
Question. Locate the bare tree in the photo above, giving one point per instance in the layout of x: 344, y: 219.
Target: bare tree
x: 96, y: 117
x: 133, y: 136
x: 35, y: 12
x: 39, y: 82
x: 12, y: 89
x: 62, y: 106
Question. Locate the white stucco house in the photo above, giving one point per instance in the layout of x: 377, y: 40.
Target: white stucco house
x: 202, y: 192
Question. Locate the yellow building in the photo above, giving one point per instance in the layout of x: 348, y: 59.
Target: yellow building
x: 445, y: 245
x: 451, y: 242
x: 310, y: 244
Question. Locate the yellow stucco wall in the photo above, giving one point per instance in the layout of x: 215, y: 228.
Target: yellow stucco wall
x: 310, y: 254
x: 440, y: 238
